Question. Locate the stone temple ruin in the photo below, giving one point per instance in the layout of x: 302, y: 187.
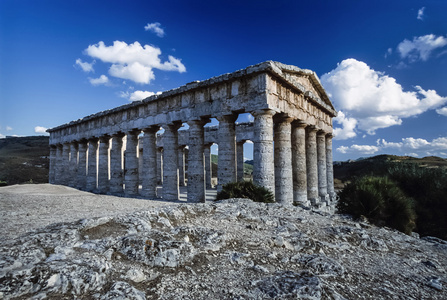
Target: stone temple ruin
x: 291, y: 135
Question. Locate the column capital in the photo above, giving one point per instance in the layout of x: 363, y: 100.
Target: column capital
x: 321, y: 133
x: 151, y: 129
x: 263, y: 112
x: 118, y: 134
x: 104, y: 138
x: 311, y: 128
x: 134, y: 131
x: 200, y: 122
x: 299, y: 124
x: 93, y: 139
x: 282, y: 118
x: 172, y: 125
x: 228, y: 118
x: 329, y: 135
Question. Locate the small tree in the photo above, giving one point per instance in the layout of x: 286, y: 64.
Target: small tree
x: 380, y: 200
x: 246, y: 189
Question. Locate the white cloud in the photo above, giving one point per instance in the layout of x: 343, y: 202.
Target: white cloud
x: 421, y: 14
x: 103, y: 79
x: 2, y: 136
x: 138, y: 95
x: 85, y: 66
x: 416, y: 144
x: 133, y: 61
x: 155, y: 28
x: 368, y: 100
x: 40, y: 129
x: 362, y: 149
x: 442, y: 111
x: 421, y: 47
x: 8, y: 128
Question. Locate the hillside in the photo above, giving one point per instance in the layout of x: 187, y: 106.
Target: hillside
x: 24, y: 159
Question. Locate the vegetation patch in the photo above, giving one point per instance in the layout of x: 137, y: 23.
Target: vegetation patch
x: 246, y: 189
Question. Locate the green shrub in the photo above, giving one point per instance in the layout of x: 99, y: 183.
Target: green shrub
x: 246, y: 189
x: 380, y: 200
x: 3, y: 183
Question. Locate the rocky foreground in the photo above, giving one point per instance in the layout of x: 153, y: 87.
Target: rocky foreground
x: 233, y: 249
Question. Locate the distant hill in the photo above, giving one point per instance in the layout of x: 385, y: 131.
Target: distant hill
x: 24, y: 159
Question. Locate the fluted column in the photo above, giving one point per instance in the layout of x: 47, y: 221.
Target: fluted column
x: 53, y: 164
x: 91, y: 164
x: 322, y: 174
x: 103, y: 164
x: 65, y: 164
x: 59, y: 165
x: 263, y: 167
x: 196, y: 170
x: 283, y: 160
x: 81, y: 176
x: 226, y: 163
x: 160, y: 165
x: 312, y: 165
x: 150, y: 174
x: 240, y: 160
x: 116, y: 165
x: 181, y: 165
x: 73, y: 168
x: 330, y: 168
x: 299, y: 163
x: 208, y: 166
x: 170, y: 162
x: 131, y: 164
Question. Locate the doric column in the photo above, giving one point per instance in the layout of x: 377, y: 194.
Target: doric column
x: 181, y: 165
x: 240, y: 160
x: 283, y: 160
x: 116, y: 165
x: 311, y: 165
x: 131, y: 164
x: 73, y: 168
x: 263, y: 168
x: 103, y: 164
x: 330, y: 168
x: 53, y: 164
x: 65, y: 164
x: 208, y: 166
x: 91, y: 167
x: 81, y: 176
x: 299, y: 163
x: 160, y: 165
x: 149, y: 175
x: 170, y: 162
x: 59, y: 165
x: 321, y: 158
x: 226, y: 163
x: 196, y: 168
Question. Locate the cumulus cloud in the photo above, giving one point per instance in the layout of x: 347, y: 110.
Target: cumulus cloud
x: 442, y: 111
x: 138, y: 95
x: 362, y: 149
x: 103, y: 79
x: 133, y: 61
x: 421, y: 14
x: 421, y: 47
x: 155, y: 28
x: 368, y: 100
x: 40, y: 129
x: 8, y: 128
x: 85, y: 66
x: 411, y: 144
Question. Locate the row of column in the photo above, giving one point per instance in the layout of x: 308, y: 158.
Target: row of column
x: 291, y: 158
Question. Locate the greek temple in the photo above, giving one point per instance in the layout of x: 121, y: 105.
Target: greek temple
x: 119, y: 152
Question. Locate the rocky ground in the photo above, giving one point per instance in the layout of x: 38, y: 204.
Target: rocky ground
x: 233, y: 249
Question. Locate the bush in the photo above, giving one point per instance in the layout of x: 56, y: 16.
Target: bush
x: 380, y: 200
x: 246, y: 189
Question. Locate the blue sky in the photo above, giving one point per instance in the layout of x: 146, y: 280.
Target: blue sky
x: 384, y: 63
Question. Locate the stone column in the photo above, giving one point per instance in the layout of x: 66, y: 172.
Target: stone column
x: 65, y: 164
x: 149, y: 175
x: 196, y: 170
x: 131, y: 164
x: 170, y: 162
x: 299, y: 163
x: 103, y: 164
x: 91, y: 172
x: 226, y: 163
x: 263, y: 168
x: 73, y: 169
x: 81, y: 176
x: 322, y: 174
x: 208, y: 166
x: 330, y: 168
x: 59, y: 165
x: 53, y: 164
x: 312, y: 165
x: 240, y: 160
x: 116, y: 165
x: 283, y: 160
x: 181, y: 165
x: 160, y: 165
